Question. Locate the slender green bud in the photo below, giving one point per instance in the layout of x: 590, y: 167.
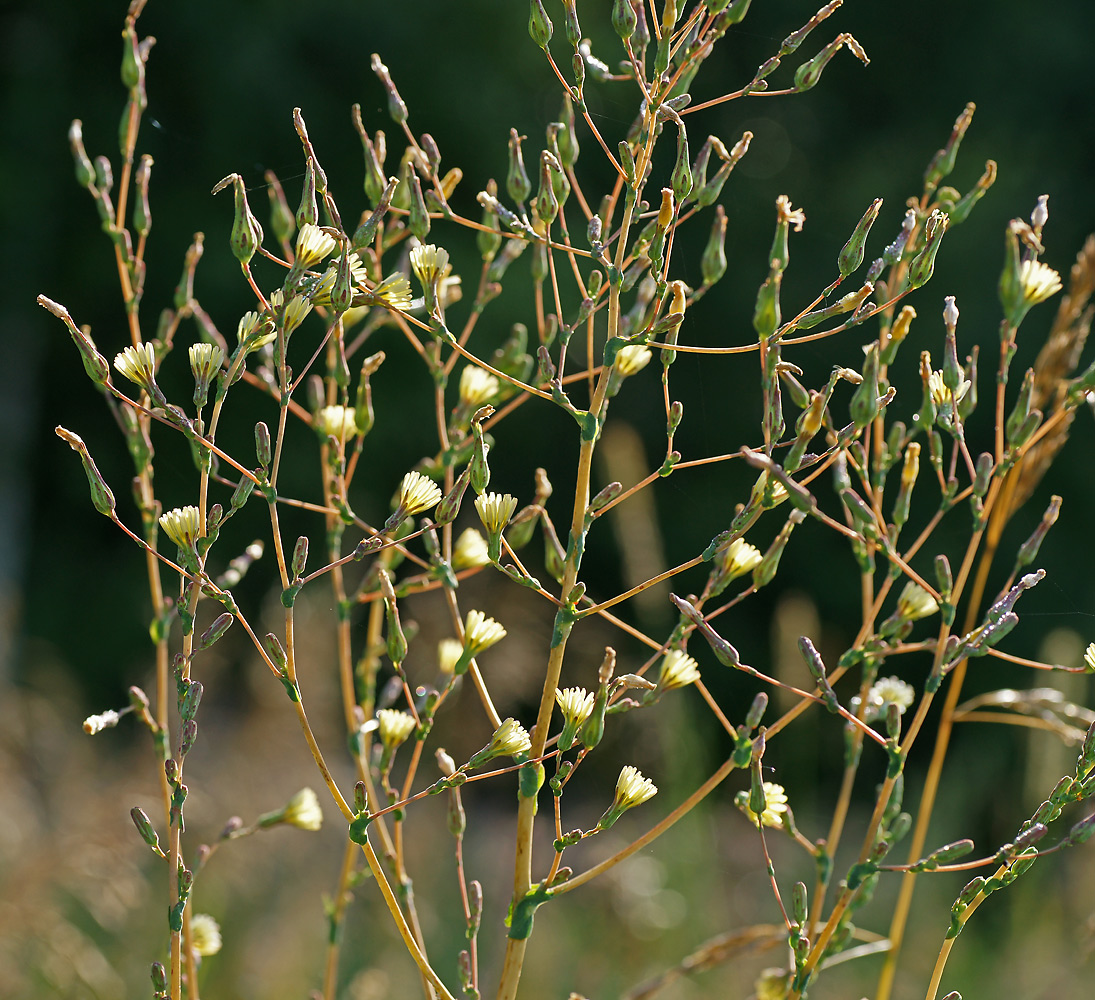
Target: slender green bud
x: 146, y: 829
x: 1028, y: 551
x: 568, y: 139
x: 85, y: 172
x: 101, y: 496
x: 262, y: 444
x: 713, y: 262
x: 962, y: 208
x: 851, y: 256
x: 920, y: 270
x: 374, y: 164
x: 397, y: 640
x: 478, y: 467
x: 142, y: 213
x: 983, y: 473
x: 132, y: 63
x: 756, y: 711
x: 765, y: 570
x: 95, y: 364
x: 799, y: 903
x: 281, y: 217
x: 308, y: 211
x: 1021, y: 410
x: 943, y: 161
x: 865, y: 406
x: 397, y: 109
x: 418, y: 220
x: 275, y: 652
x: 766, y: 315
x: 300, y: 556
x: 220, y: 625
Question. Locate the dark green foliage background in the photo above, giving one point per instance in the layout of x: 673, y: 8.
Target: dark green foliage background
x: 223, y: 79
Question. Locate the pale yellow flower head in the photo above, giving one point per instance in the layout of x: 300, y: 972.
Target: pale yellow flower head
x: 448, y: 653
x: 205, y: 361
x: 509, y: 740
x: 303, y: 811
x: 1038, y: 281
x: 575, y: 703
x: 890, y: 691
x: 632, y: 789
x: 428, y: 263
x: 678, y: 670
x: 394, y: 291
x: 915, y: 603
x: 481, y: 632
x: 417, y: 493
x: 632, y: 359
x: 337, y: 422
x: 470, y: 550
x: 1089, y: 658
x: 495, y: 510
x: 255, y: 330
x: 295, y: 311
x: 775, y: 799
x: 477, y: 386
x: 104, y: 720
x: 772, y: 984
x: 739, y: 558
x: 313, y: 246
x: 394, y: 727
x: 941, y: 394
x: 321, y: 294
x: 205, y: 934
x: 182, y: 525
x: 138, y: 364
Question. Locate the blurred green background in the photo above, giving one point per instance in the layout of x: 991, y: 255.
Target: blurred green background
x: 77, y: 911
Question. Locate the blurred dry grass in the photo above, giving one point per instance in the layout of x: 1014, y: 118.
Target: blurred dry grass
x: 82, y: 901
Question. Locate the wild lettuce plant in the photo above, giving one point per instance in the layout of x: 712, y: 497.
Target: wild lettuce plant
x: 355, y: 265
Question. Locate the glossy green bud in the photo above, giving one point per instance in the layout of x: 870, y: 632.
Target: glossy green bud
x: 546, y: 205
x: 809, y: 73
x: 681, y: 178
x: 766, y: 315
x: 518, y: 185
x: 624, y: 19
x: 246, y: 236
x: 539, y: 24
